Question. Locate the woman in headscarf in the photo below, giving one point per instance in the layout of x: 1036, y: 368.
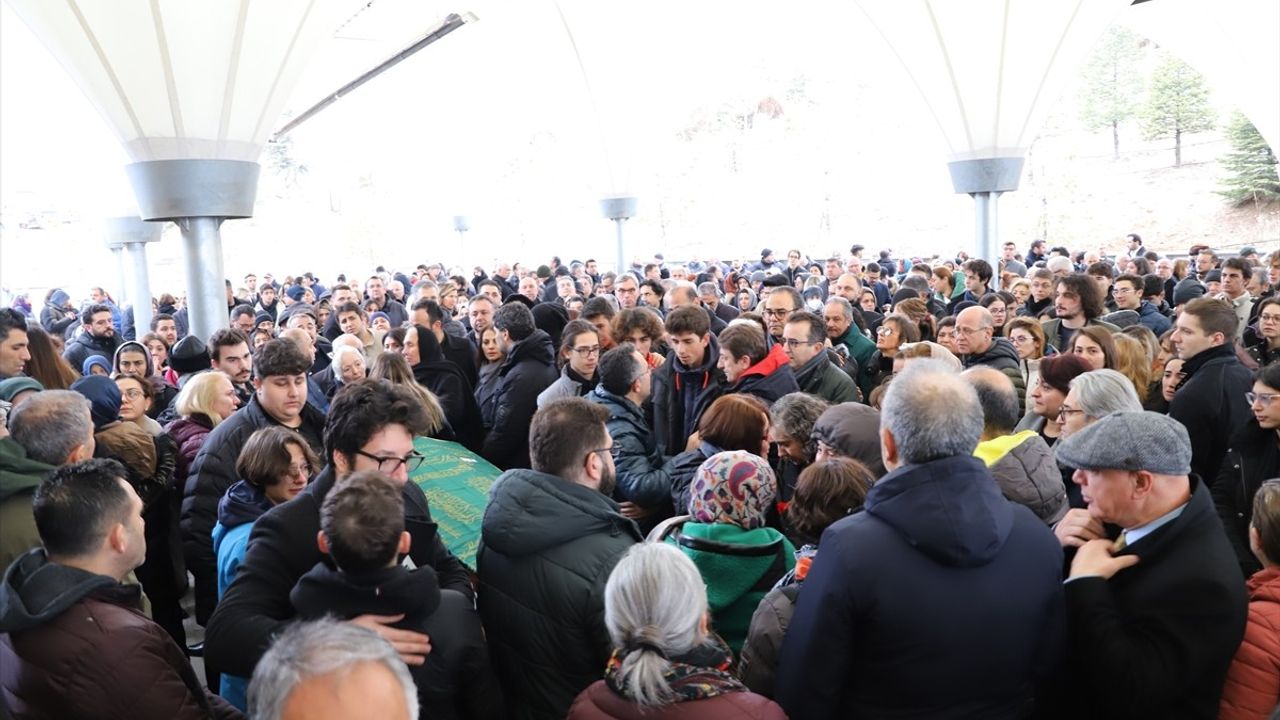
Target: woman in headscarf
x: 422, y: 351
x: 726, y: 536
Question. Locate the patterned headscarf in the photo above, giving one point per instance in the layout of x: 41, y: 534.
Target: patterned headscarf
x: 732, y: 488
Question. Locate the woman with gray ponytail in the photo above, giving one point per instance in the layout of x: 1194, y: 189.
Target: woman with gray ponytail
x: 666, y: 663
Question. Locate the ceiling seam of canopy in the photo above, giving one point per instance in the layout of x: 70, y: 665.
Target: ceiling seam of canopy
x: 275, y: 82
x: 233, y: 67
x: 591, y: 97
x: 907, y: 68
x: 171, y: 85
x: 111, y: 74
x: 1048, y: 68
x: 1004, y: 45
x: 951, y: 73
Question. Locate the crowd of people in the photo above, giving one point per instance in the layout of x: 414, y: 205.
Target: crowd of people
x: 1042, y: 486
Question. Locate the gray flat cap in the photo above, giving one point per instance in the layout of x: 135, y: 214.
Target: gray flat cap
x: 1130, y: 441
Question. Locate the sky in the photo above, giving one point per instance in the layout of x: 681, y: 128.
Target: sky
x: 521, y: 121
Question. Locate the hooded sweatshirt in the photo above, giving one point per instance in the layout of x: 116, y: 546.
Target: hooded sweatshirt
x: 903, y: 592
x: 19, y: 476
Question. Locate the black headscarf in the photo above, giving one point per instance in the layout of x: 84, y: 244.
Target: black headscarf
x: 450, y: 386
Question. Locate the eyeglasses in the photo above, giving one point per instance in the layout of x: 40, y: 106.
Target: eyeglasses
x: 587, y: 351
x: 389, y: 464
x: 885, y: 330
x: 968, y: 331
x: 299, y: 470
x: 1261, y: 399
x: 1019, y: 339
x: 1064, y: 413
x: 792, y: 343
x: 607, y: 451
x: 771, y: 312
x: 133, y: 394
x: 1269, y: 318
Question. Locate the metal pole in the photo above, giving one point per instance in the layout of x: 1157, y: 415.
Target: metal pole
x: 122, y: 293
x: 622, y: 254
x: 986, y: 227
x: 140, y: 291
x: 206, y: 286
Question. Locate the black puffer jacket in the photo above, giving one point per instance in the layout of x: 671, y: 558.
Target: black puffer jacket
x: 644, y: 477
x: 1254, y: 456
x: 212, y: 472
x: 546, y: 550
x: 528, y: 370
x: 457, y: 680
x: 84, y: 345
x: 1210, y: 403
x: 1001, y: 356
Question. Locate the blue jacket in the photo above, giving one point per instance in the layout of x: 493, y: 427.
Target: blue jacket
x: 237, y: 510
x: 907, y: 611
x: 1151, y: 317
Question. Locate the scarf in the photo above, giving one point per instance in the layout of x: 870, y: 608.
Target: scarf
x: 1204, y: 356
x: 703, y: 672
x: 585, y: 384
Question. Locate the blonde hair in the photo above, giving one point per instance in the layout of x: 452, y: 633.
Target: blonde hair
x: 1133, y: 360
x: 199, y: 395
x: 395, y: 369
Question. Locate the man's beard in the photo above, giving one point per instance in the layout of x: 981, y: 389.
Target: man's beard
x: 608, y: 481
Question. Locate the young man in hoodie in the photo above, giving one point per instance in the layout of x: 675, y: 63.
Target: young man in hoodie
x: 688, y: 382
x: 904, y: 593
x: 362, y: 536
x: 751, y: 366
x: 69, y: 620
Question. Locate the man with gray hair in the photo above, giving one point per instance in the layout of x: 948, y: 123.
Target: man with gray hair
x: 1022, y: 463
x: 331, y: 669
x: 904, y: 592
x: 1157, y: 608
x: 50, y: 429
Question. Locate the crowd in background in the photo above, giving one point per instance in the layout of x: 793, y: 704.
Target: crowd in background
x: 1046, y: 485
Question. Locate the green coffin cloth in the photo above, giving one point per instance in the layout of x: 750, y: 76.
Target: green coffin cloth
x: 456, y: 482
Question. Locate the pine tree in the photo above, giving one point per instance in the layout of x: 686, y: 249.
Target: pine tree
x: 1178, y: 103
x: 1112, y: 84
x: 1250, y: 165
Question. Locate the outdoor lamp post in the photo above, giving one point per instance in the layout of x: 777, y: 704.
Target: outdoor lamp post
x: 132, y: 234
x: 461, y: 224
x: 619, y: 209
x: 989, y: 71
x: 192, y: 90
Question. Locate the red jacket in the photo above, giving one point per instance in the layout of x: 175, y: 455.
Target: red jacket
x: 598, y: 702
x: 1252, y: 689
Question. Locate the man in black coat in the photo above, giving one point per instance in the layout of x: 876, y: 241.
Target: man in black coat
x: 457, y: 350
x: 1210, y: 400
x: 549, y: 540
x: 280, y: 398
x: 1155, y: 615
x: 528, y: 369
x: 375, y: 290
x: 371, y: 426
x: 907, y: 609
x: 97, y: 337
x: 688, y: 382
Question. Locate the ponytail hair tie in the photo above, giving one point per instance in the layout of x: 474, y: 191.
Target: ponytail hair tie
x: 636, y: 645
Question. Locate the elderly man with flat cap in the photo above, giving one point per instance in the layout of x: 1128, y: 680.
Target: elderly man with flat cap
x: 1156, y: 613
